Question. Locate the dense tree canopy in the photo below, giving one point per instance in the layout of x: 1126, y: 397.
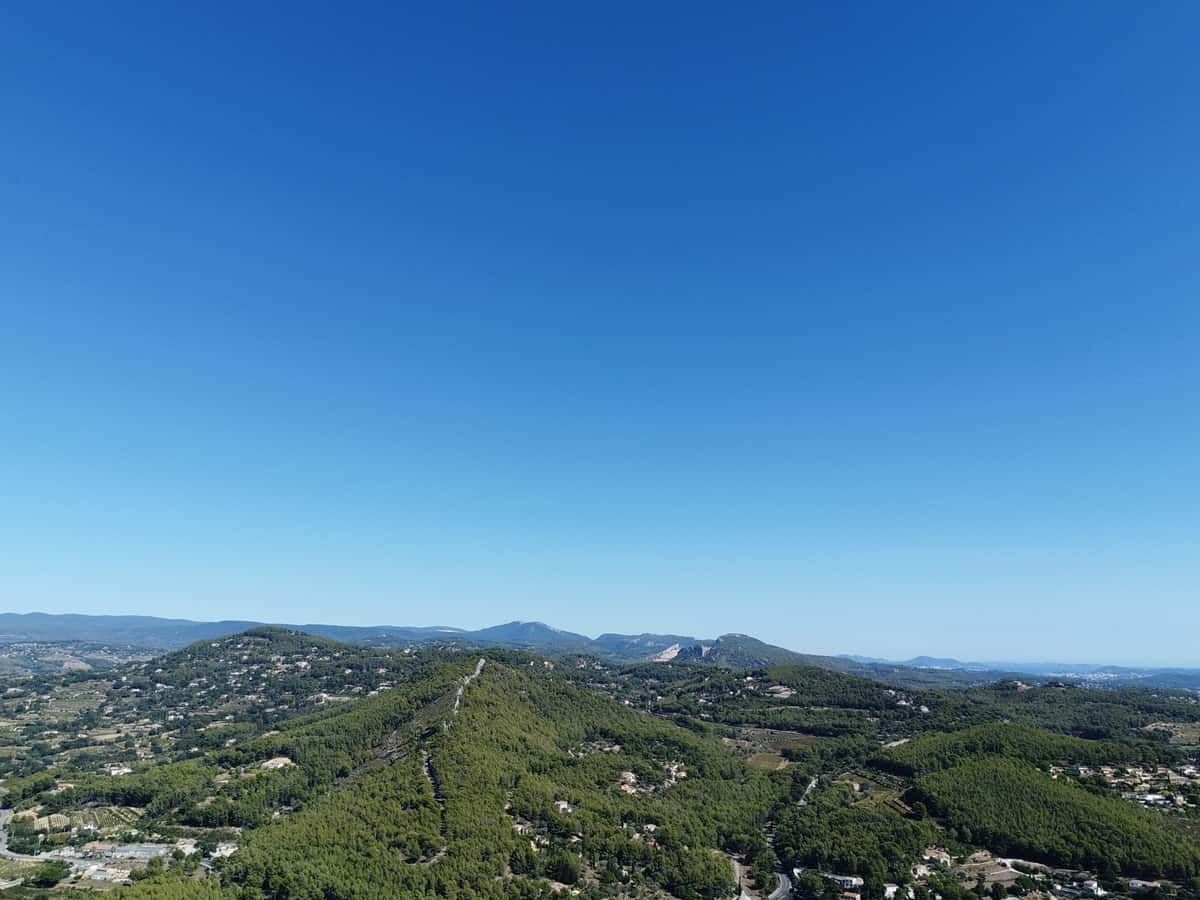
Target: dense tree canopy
x: 1016, y: 810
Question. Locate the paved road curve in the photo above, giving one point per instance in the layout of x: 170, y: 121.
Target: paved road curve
x: 783, y: 887
x: 783, y: 884
x: 5, y: 818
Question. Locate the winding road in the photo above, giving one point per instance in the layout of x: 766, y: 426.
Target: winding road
x: 783, y: 887
x: 6, y: 817
x: 783, y: 884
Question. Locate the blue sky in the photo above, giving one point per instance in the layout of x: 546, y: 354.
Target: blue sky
x: 861, y: 328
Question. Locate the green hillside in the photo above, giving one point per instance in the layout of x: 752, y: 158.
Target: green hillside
x: 1014, y: 809
x: 835, y: 834
x: 522, y: 788
x: 1025, y: 742
x: 500, y: 781
x: 330, y: 772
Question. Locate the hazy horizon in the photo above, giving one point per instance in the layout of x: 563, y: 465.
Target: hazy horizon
x: 896, y: 655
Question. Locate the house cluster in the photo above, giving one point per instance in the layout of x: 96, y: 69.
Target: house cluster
x: 1162, y: 787
x: 114, y: 862
x: 215, y: 690
x: 851, y: 886
x: 1051, y: 883
x: 1087, y: 888
x: 587, y: 748
x: 111, y: 850
x: 628, y: 782
x: 982, y: 866
x: 538, y: 838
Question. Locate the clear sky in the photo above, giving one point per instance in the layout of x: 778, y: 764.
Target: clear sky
x: 866, y: 328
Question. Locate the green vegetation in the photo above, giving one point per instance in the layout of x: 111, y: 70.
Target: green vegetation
x: 174, y: 888
x: 343, y: 772
x: 1012, y: 808
x: 160, y: 789
x: 48, y: 874
x: 836, y: 834
x: 1025, y: 742
x: 1093, y: 714
x: 367, y: 834
x: 524, y: 787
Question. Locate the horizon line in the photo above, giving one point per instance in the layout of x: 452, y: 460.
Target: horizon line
x: 988, y: 665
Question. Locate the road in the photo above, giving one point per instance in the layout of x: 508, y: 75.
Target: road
x: 458, y: 694
x: 783, y: 887
x: 466, y: 681
x: 5, y: 818
x: 808, y: 790
x: 427, y: 760
x: 783, y: 884
x: 739, y: 875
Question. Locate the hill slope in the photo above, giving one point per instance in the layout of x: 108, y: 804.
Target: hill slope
x: 530, y: 779
x: 486, y: 775
x: 1016, y: 810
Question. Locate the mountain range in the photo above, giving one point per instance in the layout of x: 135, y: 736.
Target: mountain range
x: 730, y: 650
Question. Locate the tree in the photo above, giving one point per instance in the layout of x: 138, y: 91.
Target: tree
x: 563, y: 866
x: 49, y: 874
x: 809, y: 886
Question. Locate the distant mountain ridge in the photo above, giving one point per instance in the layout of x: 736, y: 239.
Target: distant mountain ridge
x: 528, y: 634
x: 738, y: 651
x: 1044, y: 669
x: 731, y: 650
x: 149, y: 631
x: 641, y: 645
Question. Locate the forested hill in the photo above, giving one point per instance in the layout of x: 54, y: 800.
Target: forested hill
x: 531, y: 781
x: 483, y: 775
x: 329, y: 770
x: 1015, y: 809
x: 1004, y: 785
x: 1024, y: 742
